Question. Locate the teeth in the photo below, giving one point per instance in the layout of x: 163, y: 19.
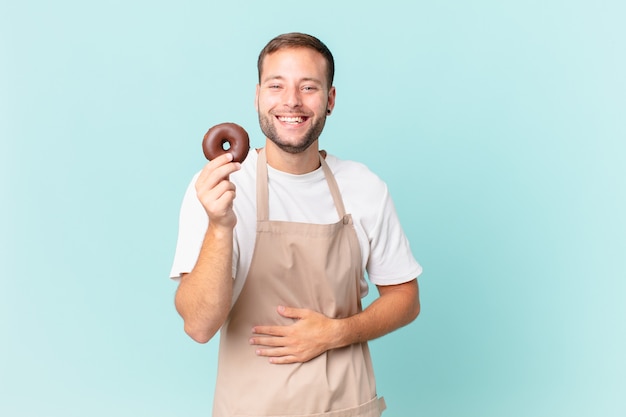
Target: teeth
x: 291, y: 119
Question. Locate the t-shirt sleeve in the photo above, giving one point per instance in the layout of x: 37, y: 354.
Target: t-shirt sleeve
x: 192, y: 225
x: 391, y: 260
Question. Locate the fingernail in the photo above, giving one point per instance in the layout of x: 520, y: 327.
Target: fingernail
x: 281, y: 309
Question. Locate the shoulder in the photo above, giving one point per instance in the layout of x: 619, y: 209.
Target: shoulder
x: 365, y: 194
x: 356, y: 176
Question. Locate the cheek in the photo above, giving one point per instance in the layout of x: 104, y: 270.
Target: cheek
x: 265, y: 102
x: 320, y: 106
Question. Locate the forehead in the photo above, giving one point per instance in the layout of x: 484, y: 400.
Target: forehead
x: 305, y: 62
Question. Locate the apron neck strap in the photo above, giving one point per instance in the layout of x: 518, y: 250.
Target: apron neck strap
x: 262, y: 193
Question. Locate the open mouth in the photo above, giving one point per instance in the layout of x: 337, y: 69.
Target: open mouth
x: 292, y: 120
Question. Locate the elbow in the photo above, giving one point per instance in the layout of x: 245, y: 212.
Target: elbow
x: 199, y: 331
x: 415, y: 311
x: 197, y: 334
x: 414, y: 308
x: 411, y: 302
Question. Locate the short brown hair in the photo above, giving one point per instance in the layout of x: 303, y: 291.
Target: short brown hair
x: 299, y: 40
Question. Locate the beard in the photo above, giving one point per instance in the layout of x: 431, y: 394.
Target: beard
x: 310, y: 136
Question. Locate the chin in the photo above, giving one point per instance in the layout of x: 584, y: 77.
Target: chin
x: 293, y: 146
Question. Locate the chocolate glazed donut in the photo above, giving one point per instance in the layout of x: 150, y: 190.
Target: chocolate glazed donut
x: 226, y: 133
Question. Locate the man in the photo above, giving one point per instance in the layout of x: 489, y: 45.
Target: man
x: 272, y: 252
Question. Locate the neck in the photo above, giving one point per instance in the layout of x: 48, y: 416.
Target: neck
x: 298, y: 163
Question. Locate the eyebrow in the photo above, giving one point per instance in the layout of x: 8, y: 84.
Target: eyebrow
x: 281, y: 78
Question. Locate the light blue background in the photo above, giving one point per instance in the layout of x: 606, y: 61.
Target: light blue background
x: 499, y: 127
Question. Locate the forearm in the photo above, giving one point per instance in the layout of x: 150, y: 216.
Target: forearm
x: 203, y: 298
x: 397, y: 306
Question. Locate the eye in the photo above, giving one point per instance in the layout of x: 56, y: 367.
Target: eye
x: 309, y: 88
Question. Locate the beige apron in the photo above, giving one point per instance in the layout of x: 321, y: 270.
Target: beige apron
x: 301, y: 265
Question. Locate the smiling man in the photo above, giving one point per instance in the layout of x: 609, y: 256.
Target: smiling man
x: 273, y: 252
x: 291, y: 97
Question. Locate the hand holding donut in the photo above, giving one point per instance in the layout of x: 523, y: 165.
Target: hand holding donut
x: 213, y: 187
x: 216, y: 192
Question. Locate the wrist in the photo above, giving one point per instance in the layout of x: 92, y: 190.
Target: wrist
x: 339, y: 332
x: 219, y: 231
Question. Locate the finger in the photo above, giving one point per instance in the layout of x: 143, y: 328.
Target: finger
x: 220, y: 198
x: 270, y: 330
x: 223, y: 206
x: 278, y: 355
x: 212, y: 166
x: 223, y: 189
x: 217, y: 170
x: 222, y: 159
x: 284, y: 360
x: 210, y: 178
x: 291, y: 312
x: 271, y: 341
x: 277, y: 352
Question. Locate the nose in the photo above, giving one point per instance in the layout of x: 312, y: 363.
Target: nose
x: 292, y: 97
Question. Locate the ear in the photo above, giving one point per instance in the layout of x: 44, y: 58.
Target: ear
x: 256, y: 98
x: 332, y: 94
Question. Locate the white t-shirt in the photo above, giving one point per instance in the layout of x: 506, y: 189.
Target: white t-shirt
x: 385, y: 250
